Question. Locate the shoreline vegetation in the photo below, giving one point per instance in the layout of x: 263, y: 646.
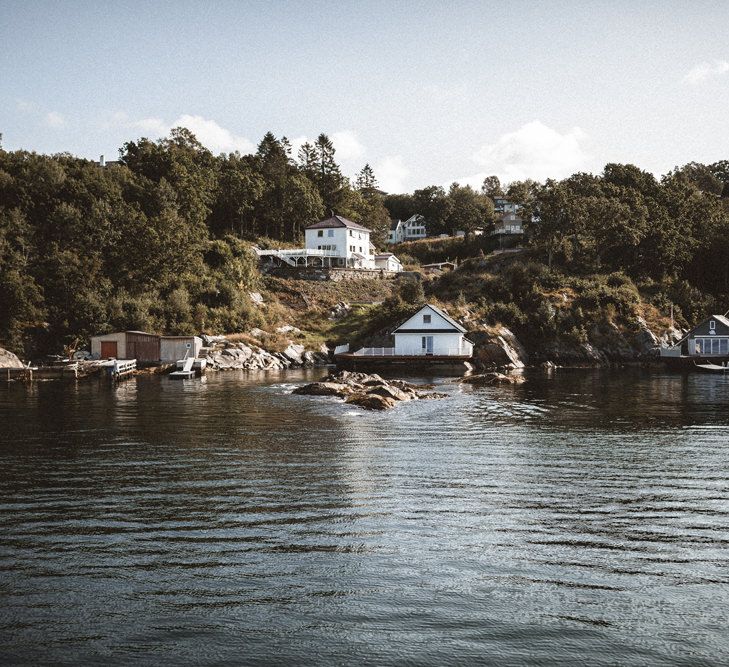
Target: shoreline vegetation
x: 612, y: 266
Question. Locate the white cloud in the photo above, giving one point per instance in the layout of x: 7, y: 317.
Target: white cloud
x: 533, y: 151
x: 705, y: 71
x: 208, y: 132
x: 153, y: 126
x: 391, y: 173
x: 347, y: 145
x: 54, y: 119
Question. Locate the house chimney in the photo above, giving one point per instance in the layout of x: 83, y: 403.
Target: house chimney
x: 101, y: 161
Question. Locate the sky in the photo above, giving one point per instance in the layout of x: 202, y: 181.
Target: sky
x: 426, y: 92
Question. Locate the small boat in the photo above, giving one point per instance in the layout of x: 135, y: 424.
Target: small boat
x: 712, y: 368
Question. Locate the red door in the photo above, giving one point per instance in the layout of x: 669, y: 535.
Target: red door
x: 108, y: 349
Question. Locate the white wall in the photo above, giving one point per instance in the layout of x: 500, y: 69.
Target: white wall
x: 121, y: 344
x: 173, y: 348
x: 443, y: 344
x: 342, y: 239
x: 389, y: 264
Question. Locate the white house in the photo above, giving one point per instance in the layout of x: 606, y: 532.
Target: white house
x: 345, y: 243
x: 412, y: 229
x: 431, y: 331
x: 388, y: 262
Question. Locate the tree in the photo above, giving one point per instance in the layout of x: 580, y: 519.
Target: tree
x: 492, y: 187
x: 469, y: 210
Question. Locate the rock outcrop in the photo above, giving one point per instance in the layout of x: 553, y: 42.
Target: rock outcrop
x: 9, y: 360
x: 497, y: 348
x: 222, y: 354
x: 368, y: 391
x: 485, y: 379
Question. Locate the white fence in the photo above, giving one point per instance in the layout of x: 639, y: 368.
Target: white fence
x: 464, y: 350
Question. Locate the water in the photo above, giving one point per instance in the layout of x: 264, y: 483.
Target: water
x: 577, y: 519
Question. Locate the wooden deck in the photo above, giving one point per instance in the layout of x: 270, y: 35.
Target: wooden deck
x: 353, y: 362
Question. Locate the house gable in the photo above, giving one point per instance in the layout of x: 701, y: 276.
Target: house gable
x: 720, y: 327
x: 429, y: 319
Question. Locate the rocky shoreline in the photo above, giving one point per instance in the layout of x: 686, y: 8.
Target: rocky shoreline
x: 223, y: 354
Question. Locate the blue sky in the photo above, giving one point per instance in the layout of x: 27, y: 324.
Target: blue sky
x: 427, y: 92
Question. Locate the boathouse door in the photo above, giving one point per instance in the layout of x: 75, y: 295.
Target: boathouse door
x: 108, y: 349
x: 427, y: 344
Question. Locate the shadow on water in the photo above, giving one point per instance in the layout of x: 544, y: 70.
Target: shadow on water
x: 582, y: 517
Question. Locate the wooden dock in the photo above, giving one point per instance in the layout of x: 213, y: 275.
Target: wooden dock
x: 351, y: 361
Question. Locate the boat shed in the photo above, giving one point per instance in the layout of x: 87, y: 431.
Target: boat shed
x: 174, y: 348
x: 710, y: 338
x: 431, y: 331
x: 139, y: 345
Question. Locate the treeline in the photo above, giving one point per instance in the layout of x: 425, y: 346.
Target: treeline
x: 672, y: 230
x: 157, y: 241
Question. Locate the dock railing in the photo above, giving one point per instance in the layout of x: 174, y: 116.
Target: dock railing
x: 465, y: 350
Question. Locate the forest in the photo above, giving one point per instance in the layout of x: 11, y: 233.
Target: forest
x: 161, y: 239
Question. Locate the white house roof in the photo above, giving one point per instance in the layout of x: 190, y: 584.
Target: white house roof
x: 454, y: 326
x: 721, y: 319
x: 337, y: 221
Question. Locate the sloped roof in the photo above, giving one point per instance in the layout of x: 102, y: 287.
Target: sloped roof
x: 721, y: 319
x: 394, y: 224
x: 437, y: 311
x: 337, y: 221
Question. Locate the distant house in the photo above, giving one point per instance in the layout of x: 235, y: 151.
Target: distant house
x: 412, y: 229
x: 107, y: 163
x: 439, y: 267
x: 430, y: 331
x: 345, y: 242
x: 388, y: 262
x: 334, y: 242
x: 508, y: 220
x: 708, y: 339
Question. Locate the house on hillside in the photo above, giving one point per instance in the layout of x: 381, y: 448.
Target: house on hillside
x: 388, y: 262
x: 347, y: 243
x: 412, y: 229
x: 334, y: 242
x: 709, y: 340
x: 508, y: 220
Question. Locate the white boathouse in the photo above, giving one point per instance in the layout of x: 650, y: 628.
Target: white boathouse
x: 431, y: 331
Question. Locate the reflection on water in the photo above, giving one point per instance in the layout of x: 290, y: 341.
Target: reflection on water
x: 580, y: 518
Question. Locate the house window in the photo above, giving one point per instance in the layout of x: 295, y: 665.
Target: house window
x: 330, y: 232
x: 320, y: 232
x: 426, y: 319
x: 712, y: 325
x: 360, y: 249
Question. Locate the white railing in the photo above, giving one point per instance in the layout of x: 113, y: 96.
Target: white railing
x: 124, y: 366
x: 464, y: 350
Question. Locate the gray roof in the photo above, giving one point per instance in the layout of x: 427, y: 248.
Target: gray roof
x: 337, y: 221
x: 721, y: 319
